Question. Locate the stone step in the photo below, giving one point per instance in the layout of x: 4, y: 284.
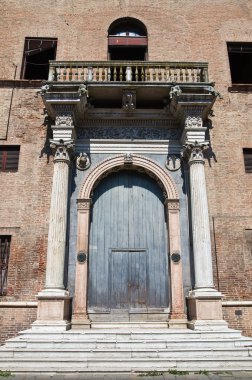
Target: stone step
x: 124, y: 353
x: 125, y: 365
x: 134, y: 334
x: 123, y: 344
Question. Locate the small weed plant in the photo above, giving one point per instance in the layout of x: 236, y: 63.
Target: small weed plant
x: 5, y: 373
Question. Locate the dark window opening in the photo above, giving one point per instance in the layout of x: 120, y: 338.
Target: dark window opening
x: 127, y: 53
x: 37, y: 53
x: 247, y: 154
x: 127, y: 40
x: 4, y: 261
x: 240, y: 60
x: 9, y: 158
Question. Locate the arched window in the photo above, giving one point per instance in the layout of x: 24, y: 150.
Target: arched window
x: 127, y: 40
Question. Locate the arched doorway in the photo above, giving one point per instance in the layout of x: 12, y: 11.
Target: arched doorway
x: 128, y: 263
x: 142, y: 164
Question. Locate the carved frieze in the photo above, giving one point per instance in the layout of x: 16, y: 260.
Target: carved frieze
x: 140, y: 133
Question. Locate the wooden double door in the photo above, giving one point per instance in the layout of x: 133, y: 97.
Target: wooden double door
x: 128, y: 263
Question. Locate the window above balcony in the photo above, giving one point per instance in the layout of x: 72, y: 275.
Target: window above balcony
x: 127, y: 40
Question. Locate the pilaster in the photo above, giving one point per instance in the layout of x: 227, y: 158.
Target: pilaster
x: 54, y: 300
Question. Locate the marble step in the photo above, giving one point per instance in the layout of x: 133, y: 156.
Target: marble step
x: 125, y: 365
x: 164, y: 334
x: 126, y: 343
x: 125, y: 353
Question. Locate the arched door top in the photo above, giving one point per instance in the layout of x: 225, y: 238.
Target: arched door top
x: 129, y: 161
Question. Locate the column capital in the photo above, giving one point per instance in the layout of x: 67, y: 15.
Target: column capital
x: 62, y: 150
x: 84, y: 204
x: 193, y: 152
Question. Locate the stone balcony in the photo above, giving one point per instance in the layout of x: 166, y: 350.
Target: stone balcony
x: 132, y: 71
x: 129, y: 88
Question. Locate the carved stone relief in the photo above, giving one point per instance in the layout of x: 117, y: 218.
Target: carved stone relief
x: 129, y: 100
x: 140, y: 133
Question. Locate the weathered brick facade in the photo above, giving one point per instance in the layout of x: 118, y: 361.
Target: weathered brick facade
x: 184, y: 30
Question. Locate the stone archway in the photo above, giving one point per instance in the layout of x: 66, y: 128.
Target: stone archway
x: 140, y: 163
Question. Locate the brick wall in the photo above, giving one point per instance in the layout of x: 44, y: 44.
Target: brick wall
x: 199, y: 33
x: 15, y: 319
x: 239, y: 318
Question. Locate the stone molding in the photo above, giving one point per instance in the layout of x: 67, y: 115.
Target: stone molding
x: 137, y: 161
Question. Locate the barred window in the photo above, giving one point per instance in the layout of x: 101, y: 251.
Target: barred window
x: 9, y: 157
x: 4, y: 260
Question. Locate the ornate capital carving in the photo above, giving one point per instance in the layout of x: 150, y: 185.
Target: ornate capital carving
x: 172, y: 205
x: 192, y: 121
x: 62, y: 150
x: 193, y: 152
x: 83, y: 91
x: 83, y: 161
x: 64, y: 120
x: 129, y: 100
x: 84, y: 204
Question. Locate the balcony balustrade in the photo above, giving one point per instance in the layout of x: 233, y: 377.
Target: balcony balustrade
x: 123, y: 71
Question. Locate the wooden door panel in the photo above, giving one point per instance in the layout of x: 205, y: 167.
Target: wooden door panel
x: 128, y: 214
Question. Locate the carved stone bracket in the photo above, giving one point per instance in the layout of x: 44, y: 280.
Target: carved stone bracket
x: 129, y: 100
x: 62, y: 150
x: 83, y: 161
x: 175, y: 92
x: 194, y: 152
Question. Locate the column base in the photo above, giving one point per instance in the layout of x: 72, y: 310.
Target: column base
x: 205, y: 309
x: 208, y: 325
x: 53, y: 310
x: 80, y: 322
x: 177, y: 323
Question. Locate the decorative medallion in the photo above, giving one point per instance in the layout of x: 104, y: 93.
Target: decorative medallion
x: 173, y: 162
x: 83, y: 161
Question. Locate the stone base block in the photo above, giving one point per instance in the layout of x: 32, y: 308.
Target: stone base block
x: 208, y: 325
x: 51, y: 326
x: 205, y: 307
x: 80, y: 321
x: 53, y: 311
x: 177, y: 323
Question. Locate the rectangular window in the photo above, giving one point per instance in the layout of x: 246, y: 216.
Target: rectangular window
x: 240, y: 60
x: 247, y: 154
x: 37, y: 53
x: 9, y: 157
x: 4, y: 260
